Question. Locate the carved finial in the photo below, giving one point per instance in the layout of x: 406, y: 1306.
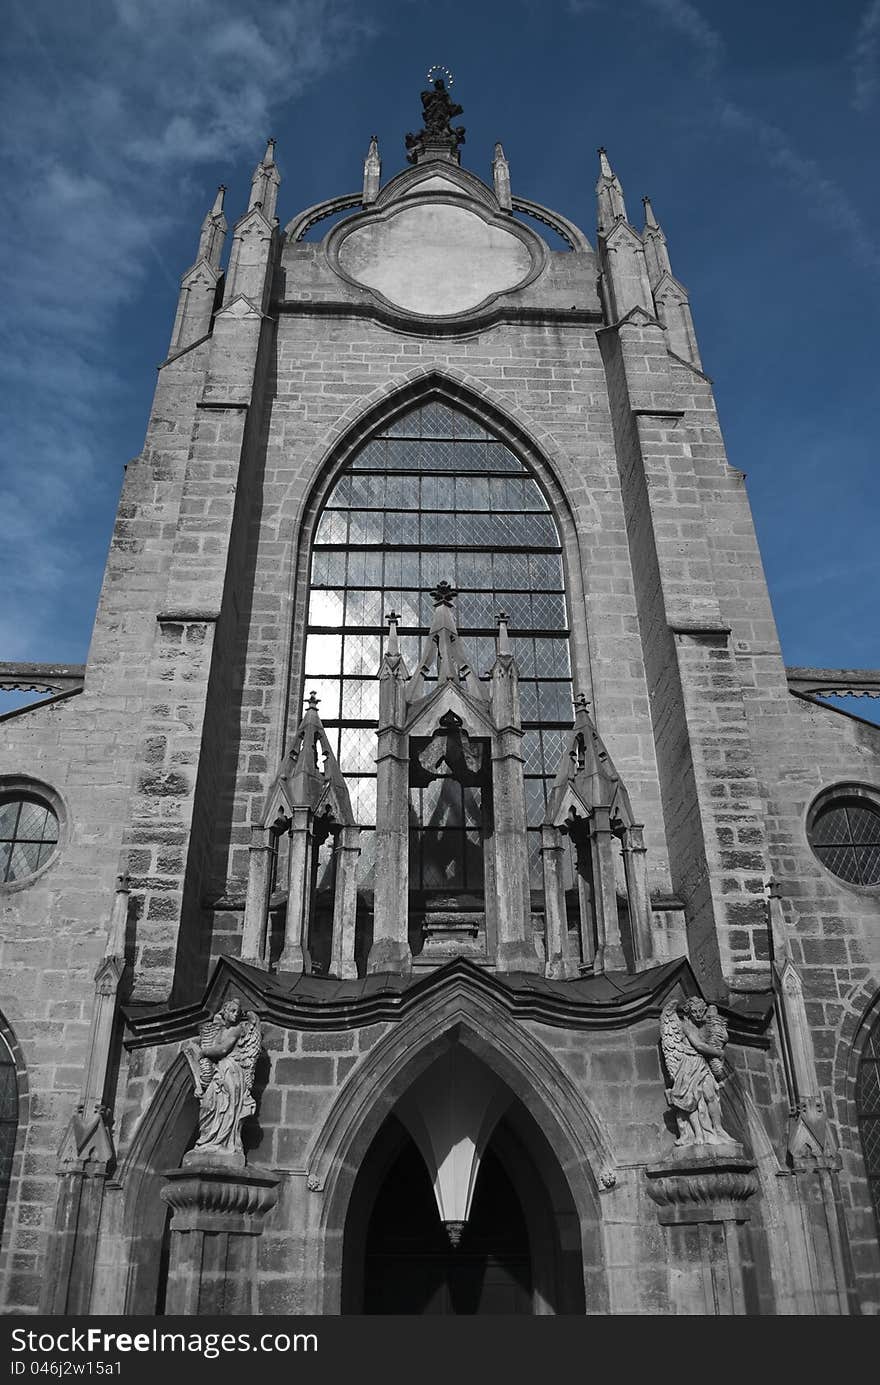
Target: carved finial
x: 213, y: 231
x: 503, y: 642
x: 392, y: 619
x: 265, y: 183
x: 443, y: 594
x: 372, y: 172
x: 501, y: 178
x: 115, y: 945
x: 581, y: 705
x: 312, y: 704
x: 651, y: 221
x: 611, y: 206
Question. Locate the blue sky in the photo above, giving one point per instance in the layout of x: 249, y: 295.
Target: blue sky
x: 753, y: 127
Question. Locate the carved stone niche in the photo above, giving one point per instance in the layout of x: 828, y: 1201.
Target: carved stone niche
x: 702, y: 1193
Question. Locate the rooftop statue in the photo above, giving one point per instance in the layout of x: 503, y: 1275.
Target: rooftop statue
x: 692, y: 1038
x: 438, y: 109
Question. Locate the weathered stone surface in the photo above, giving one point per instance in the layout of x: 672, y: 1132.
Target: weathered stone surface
x: 161, y: 764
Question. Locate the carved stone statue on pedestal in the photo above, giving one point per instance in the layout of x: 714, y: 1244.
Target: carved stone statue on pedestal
x: 223, y: 1061
x: 692, y: 1037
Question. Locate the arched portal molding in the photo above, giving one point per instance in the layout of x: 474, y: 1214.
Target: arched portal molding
x: 861, y: 1013
x: 577, y: 1134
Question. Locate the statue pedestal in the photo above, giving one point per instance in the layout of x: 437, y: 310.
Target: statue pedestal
x: 218, y: 1207
x: 702, y: 1194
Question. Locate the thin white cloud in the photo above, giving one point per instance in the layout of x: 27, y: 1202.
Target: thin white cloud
x: 107, y: 112
x: 824, y: 200
x: 687, y: 21
x: 866, y: 58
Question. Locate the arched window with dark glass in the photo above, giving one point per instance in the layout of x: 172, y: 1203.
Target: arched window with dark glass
x: 435, y: 497
x: 844, y: 832
x: 868, y: 1107
x: 8, y: 1121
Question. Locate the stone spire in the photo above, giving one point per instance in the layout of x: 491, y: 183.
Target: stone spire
x: 249, y: 271
x: 372, y: 172
x: 265, y: 183
x: 440, y: 643
x: 197, y: 299
x: 656, y: 253
x: 609, y: 193
x: 437, y: 139
x: 501, y: 179
x: 621, y: 253
x: 213, y: 232
x: 670, y: 296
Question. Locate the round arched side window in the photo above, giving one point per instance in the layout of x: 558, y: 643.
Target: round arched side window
x: 844, y: 832
x: 28, y: 836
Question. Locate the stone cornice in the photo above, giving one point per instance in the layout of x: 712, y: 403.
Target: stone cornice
x: 832, y: 682
x: 412, y: 325
x: 58, y: 678
x: 612, y: 1001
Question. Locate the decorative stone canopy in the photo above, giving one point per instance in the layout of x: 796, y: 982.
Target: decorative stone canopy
x: 309, y: 776
x: 308, y: 801
x: 456, y: 727
x: 590, y: 805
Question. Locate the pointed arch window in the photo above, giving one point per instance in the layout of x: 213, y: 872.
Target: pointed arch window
x: 433, y: 497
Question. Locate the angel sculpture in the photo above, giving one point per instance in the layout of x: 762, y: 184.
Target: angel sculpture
x: 223, y: 1061
x: 692, y: 1038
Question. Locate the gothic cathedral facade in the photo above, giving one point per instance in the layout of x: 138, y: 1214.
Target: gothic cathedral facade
x: 434, y: 894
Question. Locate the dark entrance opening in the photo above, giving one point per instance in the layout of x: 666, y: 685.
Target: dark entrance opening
x: 411, y: 1267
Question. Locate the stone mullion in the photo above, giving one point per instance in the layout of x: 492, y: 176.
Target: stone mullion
x: 390, y: 950
x: 609, y: 949
x: 259, y: 887
x: 515, y: 950
x: 295, y: 956
x: 559, y: 965
x: 638, y: 894
x: 347, y: 848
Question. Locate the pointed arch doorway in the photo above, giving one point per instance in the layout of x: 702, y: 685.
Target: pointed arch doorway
x: 517, y: 1252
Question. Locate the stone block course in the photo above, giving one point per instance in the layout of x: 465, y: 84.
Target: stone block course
x: 165, y: 758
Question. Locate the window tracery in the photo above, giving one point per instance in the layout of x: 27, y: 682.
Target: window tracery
x: 435, y: 497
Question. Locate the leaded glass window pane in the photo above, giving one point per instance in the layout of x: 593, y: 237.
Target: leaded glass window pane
x: 845, y: 836
x: 28, y: 836
x: 435, y: 498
